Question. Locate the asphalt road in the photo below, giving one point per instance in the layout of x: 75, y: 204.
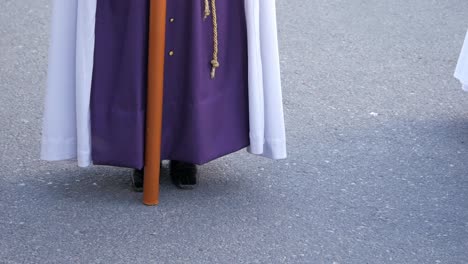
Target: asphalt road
x: 378, y: 144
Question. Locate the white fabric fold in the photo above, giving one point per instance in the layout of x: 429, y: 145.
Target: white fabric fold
x: 86, y: 24
x: 267, y: 128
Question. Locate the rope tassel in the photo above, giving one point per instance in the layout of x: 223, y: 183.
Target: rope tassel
x: 207, y: 9
x: 211, y: 11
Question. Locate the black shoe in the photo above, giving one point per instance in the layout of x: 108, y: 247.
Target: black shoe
x: 137, y: 180
x: 183, y: 175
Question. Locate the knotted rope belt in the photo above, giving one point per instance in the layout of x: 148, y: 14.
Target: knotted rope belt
x: 211, y: 10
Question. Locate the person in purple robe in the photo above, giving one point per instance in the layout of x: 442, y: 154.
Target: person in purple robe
x: 205, y: 105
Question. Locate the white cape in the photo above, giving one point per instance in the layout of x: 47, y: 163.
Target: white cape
x: 461, y: 72
x: 66, y: 126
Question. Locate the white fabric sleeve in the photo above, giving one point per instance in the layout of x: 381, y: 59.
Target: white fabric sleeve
x: 59, y: 122
x: 267, y: 128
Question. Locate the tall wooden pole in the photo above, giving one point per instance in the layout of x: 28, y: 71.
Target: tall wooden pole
x: 157, y: 40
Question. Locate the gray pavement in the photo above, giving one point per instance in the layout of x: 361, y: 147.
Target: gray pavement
x: 378, y: 144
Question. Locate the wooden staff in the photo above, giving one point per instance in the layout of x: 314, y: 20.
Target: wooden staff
x: 157, y: 39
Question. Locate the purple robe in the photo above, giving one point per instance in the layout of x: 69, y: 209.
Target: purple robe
x: 203, y: 118
x: 118, y: 93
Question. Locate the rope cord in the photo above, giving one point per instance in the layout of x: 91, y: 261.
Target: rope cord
x: 214, y: 15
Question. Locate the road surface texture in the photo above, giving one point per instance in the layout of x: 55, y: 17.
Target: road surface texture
x: 378, y: 153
